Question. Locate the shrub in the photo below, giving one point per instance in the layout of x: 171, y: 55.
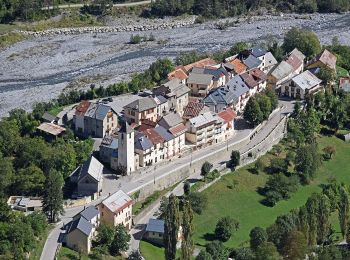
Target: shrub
x: 225, y: 228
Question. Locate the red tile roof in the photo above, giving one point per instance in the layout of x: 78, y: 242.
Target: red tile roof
x: 192, y: 109
x: 228, y: 115
x: 249, y: 80
x: 146, y: 124
x: 238, y: 65
x: 153, y: 136
x: 200, y: 64
x: 82, y: 108
x: 258, y: 75
x: 294, y: 61
x: 177, y: 130
x: 178, y: 73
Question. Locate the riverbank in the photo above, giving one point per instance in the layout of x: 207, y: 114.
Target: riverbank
x: 39, y: 68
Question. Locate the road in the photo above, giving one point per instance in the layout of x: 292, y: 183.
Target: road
x: 81, y: 5
x: 132, y: 183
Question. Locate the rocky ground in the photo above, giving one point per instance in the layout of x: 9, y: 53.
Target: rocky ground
x: 39, y: 68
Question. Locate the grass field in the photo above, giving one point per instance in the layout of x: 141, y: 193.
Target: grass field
x: 55, y: 110
x: 243, y: 202
x: 151, y: 252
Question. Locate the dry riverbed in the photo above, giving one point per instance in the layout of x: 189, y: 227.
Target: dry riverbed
x: 39, y: 68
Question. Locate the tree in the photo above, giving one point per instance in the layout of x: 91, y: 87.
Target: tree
x: 217, y: 250
x: 204, y: 255
x: 295, y: 246
x: 327, y: 75
x: 307, y: 161
x: 225, y: 228
x: 243, y: 253
x: 235, y: 159
x: 238, y: 48
x: 171, y: 227
x: 135, y: 255
x: 264, y: 104
x: 29, y: 181
x: 187, y: 232
x: 105, y: 235
x: 187, y: 188
x: 329, y: 150
x: 38, y: 223
x: 278, y: 165
x: 307, y: 42
x: 257, y: 236
x: 120, y: 241
x: 343, y: 209
x: 259, y: 165
x: 252, y: 113
x: 164, y: 201
x: 6, y: 175
x: 267, y: 251
x: 53, y: 196
x: 198, y: 201
x: 205, y: 170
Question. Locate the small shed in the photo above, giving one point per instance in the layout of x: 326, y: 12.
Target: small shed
x: 51, y: 131
x: 347, y: 137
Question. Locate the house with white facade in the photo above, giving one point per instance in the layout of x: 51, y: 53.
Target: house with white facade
x: 302, y: 85
x: 117, y: 209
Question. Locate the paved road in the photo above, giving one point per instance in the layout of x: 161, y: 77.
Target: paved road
x: 133, y: 183
x: 81, y: 5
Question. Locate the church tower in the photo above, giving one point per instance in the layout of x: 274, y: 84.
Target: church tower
x: 126, y: 152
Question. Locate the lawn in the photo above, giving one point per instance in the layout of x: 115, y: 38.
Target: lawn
x: 341, y: 72
x: 151, y: 252
x: 243, y: 202
x: 69, y: 254
x: 55, y: 110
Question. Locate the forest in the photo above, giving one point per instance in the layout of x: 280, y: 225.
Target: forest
x: 229, y: 8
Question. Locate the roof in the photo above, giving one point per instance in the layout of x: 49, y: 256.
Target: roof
x: 81, y: 224
x: 192, y: 109
x: 146, y: 124
x: 217, y: 73
x: 160, y: 100
x: 249, y: 80
x: 155, y: 225
x: 327, y: 58
x: 282, y: 70
x: 142, y: 104
x: 258, y: 75
x: 223, y: 95
x: 178, y: 73
x: 200, y: 64
x: 117, y: 201
x: 153, y: 136
x: 270, y: 60
x: 97, y: 111
x: 89, y: 213
x: 142, y: 142
x: 201, y: 79
x: 306, y: 80
x: 258, y: 51
x: 252, y: 62
x: 51, y: 129
x: 299, y: 54
x: 176, y: 88
x: 110, y: 142
x: 203, y: 119
x: 91, y: 167
x: 170, y: 120
x: 82, y: 108
x: 165, y: 134
x: 227, y: 115
x: 178, y: 130
x: 237, y: 86
x: 238, y: 66
x: 48, y: 117
x: 294, y: 61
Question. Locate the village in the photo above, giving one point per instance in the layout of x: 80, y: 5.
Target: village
x: 197, y: 107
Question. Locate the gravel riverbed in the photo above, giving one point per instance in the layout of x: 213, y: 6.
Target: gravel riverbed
x: 39, y: 68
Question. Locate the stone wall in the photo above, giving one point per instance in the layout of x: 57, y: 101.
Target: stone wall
x: 109, y: 29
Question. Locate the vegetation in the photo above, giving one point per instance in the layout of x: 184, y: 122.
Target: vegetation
x: 225, y: 228
x: 171, y: 227
x: 221, y: 8
x: 235, y: 159
x: 206, y: 168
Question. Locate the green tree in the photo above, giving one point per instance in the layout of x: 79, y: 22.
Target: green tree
x: 6, y: 175
x: 53, y: 196
x: 38, y: 223
x: 264, y: 104
x: 187, y: 188
x: 120, y: 241
x: 295, y: 246
x: 235, y: 159
x: 343, y: 209
x: 217, y: 250
x: 198, y: 201
x: 225, y: 228
x: 327, y: 75
x: 238, y: 47
x: 187, y: 231
x: 29, y: 181
x: 105, y: 235
x: 307, y: 42
x: 204, y: 255
x: 206, y: 168
x: 171, y: 227
x: 252, y: 113
x: 267, y: 251
x: 257, y: 236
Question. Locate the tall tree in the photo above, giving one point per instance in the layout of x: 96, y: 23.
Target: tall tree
x: 257, y: 236
x: 120, y: 241
x: 171, y: 227
x: 187, y: 231
x: 252, y: 113
x: 343, y: 209
x: 295, y: 247
x: 53, y: 196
